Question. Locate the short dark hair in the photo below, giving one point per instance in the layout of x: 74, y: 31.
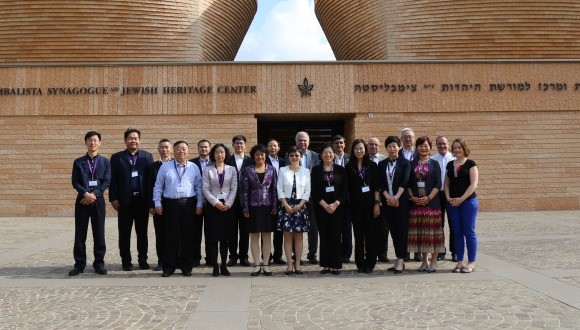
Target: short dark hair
x: 203, y: 140
x: 337, y: 137
x: 366, y: 157
x: 239, y: 137
x: 132, y: 130
x: 440, y: 137
x: 180, y: 142
x: 256, y: 148
x: 212, y: 151
x: 466, y: 150
x: 324, y: 146
x: 270, y: 140
x: 293, y: 150
x: 91, y: 134
x: 163, y: 141
x: 392, y: 139
x: 422, y: 140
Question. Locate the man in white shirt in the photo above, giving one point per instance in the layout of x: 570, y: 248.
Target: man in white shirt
x: 443, y: 157
x: 409, y: 152
x: 239, y: 247
x: 374, y: 146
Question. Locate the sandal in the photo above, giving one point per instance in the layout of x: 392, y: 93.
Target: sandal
x: 288, y: 271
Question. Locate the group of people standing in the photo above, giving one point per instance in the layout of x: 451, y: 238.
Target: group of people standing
x: 239, y: 202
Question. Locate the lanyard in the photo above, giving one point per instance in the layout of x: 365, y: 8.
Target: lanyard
x: 363, y: 173
x: 328, y: 175
x: 133, y: 160
x: 391, y: 171
x: 176, y: 170
x: 93, y: 168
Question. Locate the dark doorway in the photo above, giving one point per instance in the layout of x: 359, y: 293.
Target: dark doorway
x: 320, y: 132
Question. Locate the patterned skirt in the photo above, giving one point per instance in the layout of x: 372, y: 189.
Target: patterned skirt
x: 294, y: 223
x: 425, y: 230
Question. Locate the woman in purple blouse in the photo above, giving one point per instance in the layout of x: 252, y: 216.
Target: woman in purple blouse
x: 259, y: 203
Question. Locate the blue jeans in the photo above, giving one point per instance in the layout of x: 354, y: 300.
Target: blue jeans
x: 462, y: 219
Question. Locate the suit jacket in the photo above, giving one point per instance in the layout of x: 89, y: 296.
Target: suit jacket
x: 255, y: 193
x: 432, y: 181
x: 312, y: 159
x: 381, y: 157
x: 356, y: 182
x: 211, y: 185
x: 197, y: 162
x: 319, y: 184
x: 120, y: 188
x: 346, y: 157
x: 286, y: 179
x: 232, y: 162
x: 415, y: 154
x: 281, y: 161
x: 400, y: 177
x: 150, y: 179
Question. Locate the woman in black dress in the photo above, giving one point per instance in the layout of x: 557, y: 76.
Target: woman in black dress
x: 329, y: 193
x: 364, y: 205
x: 259, y: 203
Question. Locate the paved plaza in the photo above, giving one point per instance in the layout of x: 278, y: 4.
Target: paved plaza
x: 527, y: 277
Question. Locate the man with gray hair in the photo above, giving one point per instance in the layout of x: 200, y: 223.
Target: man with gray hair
x: 409, y: 152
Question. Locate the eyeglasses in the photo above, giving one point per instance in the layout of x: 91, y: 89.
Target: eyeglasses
x: 407, y: 137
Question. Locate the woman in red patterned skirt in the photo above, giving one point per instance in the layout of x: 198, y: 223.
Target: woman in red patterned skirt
x: 425, y: 231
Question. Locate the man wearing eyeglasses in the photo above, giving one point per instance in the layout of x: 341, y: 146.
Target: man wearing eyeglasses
x: 409, y: 152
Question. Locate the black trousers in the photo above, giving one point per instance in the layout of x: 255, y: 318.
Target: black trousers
x: 178, y: 215
x: 239, y: 246
x: 366, y: 234
x: 346, y: 236
x: 158, y: 224
x: 443, y: 202
x: 313, y: 233
x: 212, y: 250
x: 398, y: 221
x: 197, y: 236
x: 96, y: 213
x: 383, y: 237
x: 278, y: 242
x: 330, y: 230
x: 138, y: 213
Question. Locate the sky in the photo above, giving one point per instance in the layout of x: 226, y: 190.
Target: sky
x: 285, y: 30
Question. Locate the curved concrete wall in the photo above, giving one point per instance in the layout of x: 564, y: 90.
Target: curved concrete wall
x: 452, y: 29
x: 123, y: 31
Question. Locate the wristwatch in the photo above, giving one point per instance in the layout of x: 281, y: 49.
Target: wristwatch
x: 378, y: 202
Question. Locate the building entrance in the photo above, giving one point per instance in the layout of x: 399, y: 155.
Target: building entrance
x: 319, y: 131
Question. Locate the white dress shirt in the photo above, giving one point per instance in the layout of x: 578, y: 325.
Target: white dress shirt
x: 443, y: 161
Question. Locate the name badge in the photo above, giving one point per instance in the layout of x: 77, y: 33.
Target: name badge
x: 93, y: 183
x: 421, y: 184
x: 181, y: 189
x: 330, y: 189
x: 365, y: 189
x: 221, y: 196
x: 134, y: 174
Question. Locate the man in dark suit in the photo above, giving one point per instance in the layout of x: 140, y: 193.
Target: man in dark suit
x: 165, y: 150
x: 239, y: 160
x: 277, y: 162
x: 382, y: 242
x: 91, y: 176
x: 127, y: 195
x: 341, y: 158
x: 202, y: 161
x: 308, y: 160
x: 409, y: 152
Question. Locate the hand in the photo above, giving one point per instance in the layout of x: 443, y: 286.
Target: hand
x: 152, y: 211
x: 159, y: 210
x: 455, y: 201
x: 198, y: 210
x: 274, y: 212
x: 289, y: 209
x: 116, y: 205
x: 247, y: 215
x: 376, y: 211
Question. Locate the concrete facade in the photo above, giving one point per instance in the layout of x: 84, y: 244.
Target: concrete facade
x: 520, y: 118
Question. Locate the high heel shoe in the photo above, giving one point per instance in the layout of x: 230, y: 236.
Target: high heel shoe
x: 288, y: 271
x: 423, y: 269
x: 257, y: 270
x: 224, y: 270
x: 399, y: 271
x: 266, y: 270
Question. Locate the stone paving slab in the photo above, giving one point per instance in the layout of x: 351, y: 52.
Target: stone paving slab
x: 527, y: 277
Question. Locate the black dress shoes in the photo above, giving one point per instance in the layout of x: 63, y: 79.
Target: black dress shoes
x: 368, y: 270
x: 74, y: 272
x: 232, y: 262
x: 312, y: 260
x: 279, y: 261
x: 143, y: 264
x: 224, y: 270
x: 158, y: 267
x: 101, y: 270
x: 245, y: 262
x: 454, y: 257
x: 195, y: 263
x: 418, y: 257
x: 128, y: 267
x: 216, y: 271
x: 335, y: 272
x: 166, y: 273
x: 407, y: 257
x: 440, y: 256
x: 346, y: 260
x: 186, y: 273
x: 383, y: 259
